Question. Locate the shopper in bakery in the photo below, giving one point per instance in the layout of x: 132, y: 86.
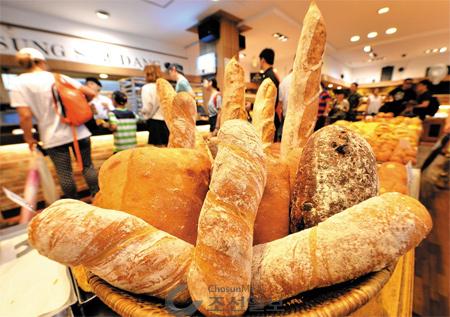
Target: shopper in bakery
x: 399, y: 97
x: 151, y: 110
x: 340, y: 107
x: 123, y: 123
x: 325, y: 103
x: 266, y: 61
x: 176, y: 74
x: 354, y: 100
x: 214, y: 103
x: 374, y: 102
x: 32, y: 97
x: 426, y: 104
x: 100, y: 104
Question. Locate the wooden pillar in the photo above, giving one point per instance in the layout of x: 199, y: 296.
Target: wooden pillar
x: 226, y: 47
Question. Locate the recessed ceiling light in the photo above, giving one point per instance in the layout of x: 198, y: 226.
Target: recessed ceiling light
x: 330, y: 85
x: 354, y: 38
x: 383, y: 10
x: 242, y: 55
x: 102, y: 14
x: 428, y: 51
x: 435, y: 50
x: 391, y: 30
x: 339, y: 87
x: 284, y: 39
x: 367, y: 48
x: 372, y: 35
x: 277, y: 35
x: 103, y: 76
x: 443, y: 49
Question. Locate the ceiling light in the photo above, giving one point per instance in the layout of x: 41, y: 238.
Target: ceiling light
x: 391, y: 31
x: 435, y: 50
x: 428, y: 51
x: 277, y: 35
x: 443, y: 49
x: 354, y: 38
x: 339, y: 87
x: 284, y: 39
x: 367, y: 48
x: 330, y: 85
x: 242, y: 55
x: 383, y: 10
x: 103, y: 76
x: 372, y: 35
x: 102, y: 14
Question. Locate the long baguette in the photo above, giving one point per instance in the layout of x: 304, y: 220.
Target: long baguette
x: 182, y: 125
x: 132, y: 255
x: 264, y: 111
x: 166, y: 94
x: 362, y: 239
x: 304, y: 91
x: 122, y: 249
x: 223, y: 253
x: 233, y: 105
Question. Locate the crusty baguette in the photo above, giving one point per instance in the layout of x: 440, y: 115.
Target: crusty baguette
x: 165, y: 187
x: 233, y: 105
x: 112, y: 244
x: 182, y: 123
x: 304, y: 91
x: 362, y: 239
x: 123, y: 250
x: 223, y: 254
x: 264, y: 111
x: 337, y: 170
x: 166, y: 94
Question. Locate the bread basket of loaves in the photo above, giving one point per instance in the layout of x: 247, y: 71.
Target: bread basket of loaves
x: 239, y: 226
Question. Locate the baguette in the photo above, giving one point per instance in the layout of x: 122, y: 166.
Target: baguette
x: 182, y: 123
x: 166, y: 94
x: 303, y: 96
x: 233, y: 105
x: 132, y: 255
x: 223, y: 254
x: 337, y: 170
x: 123, y: 250
x: 362, y: 239
x: 264, y: 111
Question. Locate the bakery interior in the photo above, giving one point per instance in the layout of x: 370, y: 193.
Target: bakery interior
x: 332, y: 201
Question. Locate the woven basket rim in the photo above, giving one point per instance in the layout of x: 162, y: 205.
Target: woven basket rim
x: 333, y: 301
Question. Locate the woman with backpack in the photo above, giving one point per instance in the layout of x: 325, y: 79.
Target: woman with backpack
x: 32, y: 96
x: 214, y: 103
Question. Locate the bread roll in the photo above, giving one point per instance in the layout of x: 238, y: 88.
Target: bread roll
x: 123, y: 250
x: 393, y: 178
x: 337, y: 170
x: 362, y: 239
x: 165, y: 187
x: 221, y: 267
x: 182, y: 123
x: 272, y: 219
x: 264, y: 111
x: 303, y: 100
x: 233, y: 104
x: 166, y: 94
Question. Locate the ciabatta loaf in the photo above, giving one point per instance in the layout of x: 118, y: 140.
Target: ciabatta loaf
x: 123, y: 250
x: 303, y: 100
x: 337, y: 170
x: 223, y: 253
x: 362, y: 239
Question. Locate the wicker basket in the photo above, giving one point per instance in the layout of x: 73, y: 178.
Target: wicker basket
x: 337, y: 300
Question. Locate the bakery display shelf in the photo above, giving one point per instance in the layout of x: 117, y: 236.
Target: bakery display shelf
x: 334, y: 301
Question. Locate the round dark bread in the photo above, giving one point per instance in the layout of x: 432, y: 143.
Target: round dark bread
x: 337, y: 170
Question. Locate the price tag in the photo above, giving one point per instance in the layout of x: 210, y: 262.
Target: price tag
x: 18, y: 199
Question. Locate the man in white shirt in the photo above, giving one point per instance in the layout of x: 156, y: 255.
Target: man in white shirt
x: 32, y: 97
x: 101, y: 104
x: 374, y: 102
x: 283, y: 92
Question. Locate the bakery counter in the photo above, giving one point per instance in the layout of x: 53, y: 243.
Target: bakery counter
x: 15, y: 161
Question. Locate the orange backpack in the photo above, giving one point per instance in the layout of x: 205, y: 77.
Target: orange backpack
x: 71, y: 104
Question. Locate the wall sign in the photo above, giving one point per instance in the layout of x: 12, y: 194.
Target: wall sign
x: 73, y: 49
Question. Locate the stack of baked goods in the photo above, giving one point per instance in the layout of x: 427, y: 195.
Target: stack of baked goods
x: 392, y: 139
x: 393, y: 178
x: 170, y: 217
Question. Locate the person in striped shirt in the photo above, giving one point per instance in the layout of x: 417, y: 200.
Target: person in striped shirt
x: 123, y: 123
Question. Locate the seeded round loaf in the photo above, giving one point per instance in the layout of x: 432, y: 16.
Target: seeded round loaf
x: 337, y: 170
